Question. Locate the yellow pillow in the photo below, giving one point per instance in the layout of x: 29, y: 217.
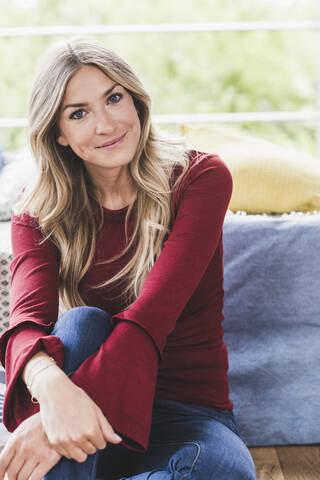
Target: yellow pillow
x: 267, y: 178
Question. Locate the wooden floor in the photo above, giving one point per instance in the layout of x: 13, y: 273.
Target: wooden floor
x: 287, y: 462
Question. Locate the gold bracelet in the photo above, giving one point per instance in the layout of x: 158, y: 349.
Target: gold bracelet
x: 33, y: 398
x: 40, y: 360
x: 49, y: 358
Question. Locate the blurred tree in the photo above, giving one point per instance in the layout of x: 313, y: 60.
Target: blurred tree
x: 184, y: 72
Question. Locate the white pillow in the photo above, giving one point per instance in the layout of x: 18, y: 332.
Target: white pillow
x: 19, y: 169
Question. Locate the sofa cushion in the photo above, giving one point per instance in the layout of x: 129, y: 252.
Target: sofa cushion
x: 267, y: 178
x: 19, y: 170
x: 272, y: 325
x: 4, y: 434
x: 5, y: 274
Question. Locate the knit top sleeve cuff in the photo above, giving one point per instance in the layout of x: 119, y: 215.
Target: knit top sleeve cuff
x: 25, y: 340
x: 121, y: 378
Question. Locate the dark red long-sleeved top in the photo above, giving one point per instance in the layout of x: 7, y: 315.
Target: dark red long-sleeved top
x: 168, y: 343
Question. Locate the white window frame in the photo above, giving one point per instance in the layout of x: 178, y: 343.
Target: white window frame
x: 280, y: 116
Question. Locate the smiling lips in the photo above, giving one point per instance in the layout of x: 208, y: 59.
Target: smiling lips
x: 113, y: 142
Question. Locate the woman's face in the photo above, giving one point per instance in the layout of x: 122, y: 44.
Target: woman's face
x: 96, y: 112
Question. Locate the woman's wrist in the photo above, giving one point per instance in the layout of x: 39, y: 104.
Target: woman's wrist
x: 44, y: 381
x: 37, y: 370
x: 40, y: 359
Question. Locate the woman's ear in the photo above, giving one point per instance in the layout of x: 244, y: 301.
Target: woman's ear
x: 62, y: 140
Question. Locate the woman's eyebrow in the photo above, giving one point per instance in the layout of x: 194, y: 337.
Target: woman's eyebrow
x: 73, y: 105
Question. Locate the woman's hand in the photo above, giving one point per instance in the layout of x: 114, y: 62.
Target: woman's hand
x: 74, y: 424
x: 27, y: 452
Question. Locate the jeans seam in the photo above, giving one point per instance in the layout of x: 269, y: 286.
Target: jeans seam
x: 182, y: 443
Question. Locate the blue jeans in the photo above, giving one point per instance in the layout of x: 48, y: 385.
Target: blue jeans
x: 187, y: 441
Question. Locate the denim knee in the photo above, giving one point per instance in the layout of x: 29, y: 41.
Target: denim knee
x: 230, y: 461
x: 223, y: 456
x: 82, y: 330
x: 83, y: 318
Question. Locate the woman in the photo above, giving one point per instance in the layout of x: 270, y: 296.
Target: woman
x: 123, y: 226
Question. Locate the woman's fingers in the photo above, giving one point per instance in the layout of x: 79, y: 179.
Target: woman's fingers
x: 15, y: 456
x: 77, y: 454
x: 37, y: 470
x: 11, y: 463
x: 76, y: 449
x: 92, y: 440
x: 109, y: 434
x: 26, y: 447
x: 69, y: 429
x: 69, y: 450
x: 73, y: 432
x: 89, y: 448
x: 6, y: 457
x: 96, y: 437
x: 42, y: 469
x: 23, y: 472
x: 21, y: 465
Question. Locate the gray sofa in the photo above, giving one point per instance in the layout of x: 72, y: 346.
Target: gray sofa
x: 272, y: 323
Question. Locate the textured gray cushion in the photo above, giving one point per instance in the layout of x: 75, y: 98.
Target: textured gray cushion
x: 272, y: 325
x: 18, y: 171
x: 5, y: 274
x: 4, y: 434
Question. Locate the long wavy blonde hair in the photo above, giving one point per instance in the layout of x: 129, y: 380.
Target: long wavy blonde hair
x: 59, y: 198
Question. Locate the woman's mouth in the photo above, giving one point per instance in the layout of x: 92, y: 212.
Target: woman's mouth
x: 113, y: 143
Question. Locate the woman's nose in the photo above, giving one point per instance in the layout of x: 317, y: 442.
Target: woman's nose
x: 104, y: 123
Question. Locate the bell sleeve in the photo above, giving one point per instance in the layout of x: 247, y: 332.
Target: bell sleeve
x: 33, y: 312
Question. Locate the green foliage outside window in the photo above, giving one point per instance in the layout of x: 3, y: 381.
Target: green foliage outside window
x: 183, y: 72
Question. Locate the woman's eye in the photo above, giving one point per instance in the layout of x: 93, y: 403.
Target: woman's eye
x: 116, y: 96
x: 77, y: 114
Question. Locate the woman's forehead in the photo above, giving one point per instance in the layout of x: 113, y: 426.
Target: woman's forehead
x: 87, y: 83
x: 87, y: 75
